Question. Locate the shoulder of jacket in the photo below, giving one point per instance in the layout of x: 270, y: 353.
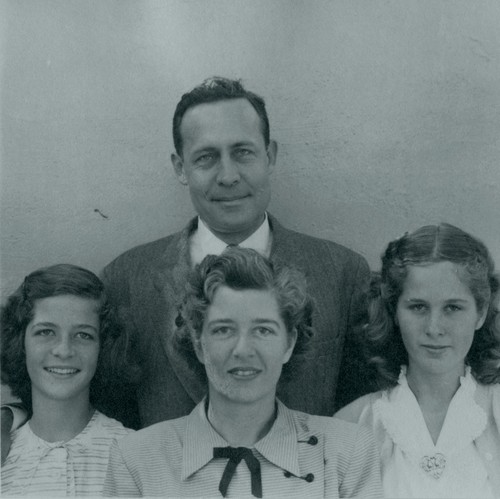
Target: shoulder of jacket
x: 299, y: 241
x: 146, y: 251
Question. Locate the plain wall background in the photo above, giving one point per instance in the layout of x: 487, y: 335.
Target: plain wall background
x: 387, y: 115
x: 386, y: 112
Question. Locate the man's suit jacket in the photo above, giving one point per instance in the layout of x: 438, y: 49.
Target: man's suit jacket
x: 147, y: 283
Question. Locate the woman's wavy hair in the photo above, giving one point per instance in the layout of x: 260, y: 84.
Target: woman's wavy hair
x: 243, y: 269
x: 113, y: 367
x: 431, y: 244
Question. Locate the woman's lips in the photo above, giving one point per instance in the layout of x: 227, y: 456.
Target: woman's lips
x: 244, y: 372
x: 62, y: 371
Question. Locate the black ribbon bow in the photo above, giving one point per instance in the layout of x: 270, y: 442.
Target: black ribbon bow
x: 235, y: 455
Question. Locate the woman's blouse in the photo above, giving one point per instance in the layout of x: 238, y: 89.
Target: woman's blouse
x: 412, y: 465
x: 73, y: 468
x: 301, y: 456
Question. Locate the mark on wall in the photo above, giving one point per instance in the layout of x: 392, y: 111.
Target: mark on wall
x: 97, y: 210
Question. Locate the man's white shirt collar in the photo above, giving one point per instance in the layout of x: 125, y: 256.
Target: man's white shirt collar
x: 203, y: 242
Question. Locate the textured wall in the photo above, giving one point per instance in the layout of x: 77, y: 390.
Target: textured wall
x: 387, y: 115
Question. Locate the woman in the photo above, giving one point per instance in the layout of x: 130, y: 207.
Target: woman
x: 243, y: 322
x: 60, y: 349
x: 434, y: 340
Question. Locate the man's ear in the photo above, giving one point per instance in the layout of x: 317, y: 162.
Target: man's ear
x: 272, y: 153
x: 178, y: 165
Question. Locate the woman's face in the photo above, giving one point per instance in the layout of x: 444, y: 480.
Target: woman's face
x: 437, y: 316
x: 243, y: 345
x: 62, y: 347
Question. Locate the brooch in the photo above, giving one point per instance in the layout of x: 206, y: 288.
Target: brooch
x: 433, y: 465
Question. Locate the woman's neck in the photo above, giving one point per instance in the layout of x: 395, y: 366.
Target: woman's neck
x: 56, y: 420
x: 241, y: 425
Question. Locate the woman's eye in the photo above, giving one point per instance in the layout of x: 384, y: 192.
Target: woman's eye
x: 453, y: 308
x: 85, y: 336
x: 222, y: 331
x: 418, y: 307
x: 264, y: 331
x: 44, y: 332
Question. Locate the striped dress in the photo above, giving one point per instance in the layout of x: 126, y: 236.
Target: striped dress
x: 55, y: 469
x: 302, y: 456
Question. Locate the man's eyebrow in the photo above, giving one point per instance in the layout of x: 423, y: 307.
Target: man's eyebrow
x: 204, y: 149
x: 244, y: 143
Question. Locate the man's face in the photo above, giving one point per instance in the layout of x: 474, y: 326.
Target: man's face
x: 226, y: 165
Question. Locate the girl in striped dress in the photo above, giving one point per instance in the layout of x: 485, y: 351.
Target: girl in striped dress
x: 60, y: 349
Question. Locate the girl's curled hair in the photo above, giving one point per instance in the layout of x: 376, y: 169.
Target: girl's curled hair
x: 113, y: 367
x: 427, y: 245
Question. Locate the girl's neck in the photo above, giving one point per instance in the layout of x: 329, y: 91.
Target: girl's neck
x: 434, y: 394
x: 242, y: 425
x: 439, y: 388
x: 56, y: 420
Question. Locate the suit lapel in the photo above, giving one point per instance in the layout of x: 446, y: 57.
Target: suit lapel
x: 285, y: 245
x: 170, y: 281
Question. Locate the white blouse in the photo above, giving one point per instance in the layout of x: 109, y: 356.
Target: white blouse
x: 412, y: 466
x: 74, y: 468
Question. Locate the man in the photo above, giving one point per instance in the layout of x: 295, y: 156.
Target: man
x: 224, y: 155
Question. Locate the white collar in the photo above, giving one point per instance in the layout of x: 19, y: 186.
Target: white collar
x: 403, y: 420
x: 203, y: 242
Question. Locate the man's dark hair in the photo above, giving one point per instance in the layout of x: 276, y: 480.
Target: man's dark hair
x: 213, y: 90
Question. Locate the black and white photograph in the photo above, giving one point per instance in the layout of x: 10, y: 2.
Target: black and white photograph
x: 250, y: 248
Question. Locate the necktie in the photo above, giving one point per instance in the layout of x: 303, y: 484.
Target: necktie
x: 235, y: 455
